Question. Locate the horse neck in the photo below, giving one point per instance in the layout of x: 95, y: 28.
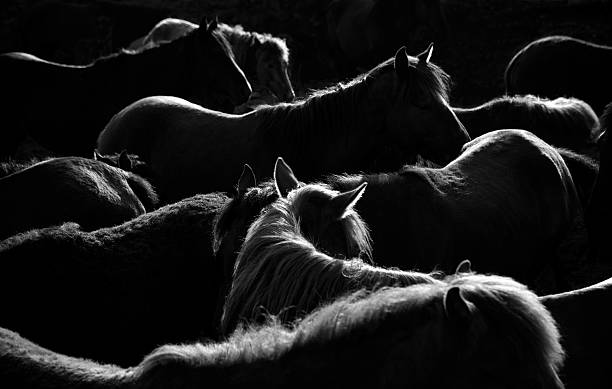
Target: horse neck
x: 334, y: 131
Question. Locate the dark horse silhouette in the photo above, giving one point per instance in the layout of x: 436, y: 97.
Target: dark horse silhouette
x: 556, y: 66
x: 90, y: 193
x: 507, y: 203
x: 116, y: 293
x: 472, y: 331
x: 65, y: 107
x: 400, y: 104
x: 585, y: 328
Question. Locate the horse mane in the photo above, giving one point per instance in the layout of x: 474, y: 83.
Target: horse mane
x: 398, y: 320
x: 280, y: 270
x: 336, y: 105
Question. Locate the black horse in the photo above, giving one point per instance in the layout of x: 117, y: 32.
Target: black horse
x: 64, y: 107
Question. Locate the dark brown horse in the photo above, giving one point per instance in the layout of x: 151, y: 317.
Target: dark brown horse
x: 71, y: 189
x: 402, y: 104
x: 472, y: 331
x: 584, y: 322
x: 556, y: 66
x: 65, y: 107
x: 114, y: 294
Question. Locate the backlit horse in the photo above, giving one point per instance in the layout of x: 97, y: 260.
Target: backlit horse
x: 65, y: 107
x: 507, y: 203
x: 473, y: 331
x: 563, y: 122
x: 291, y: 262
x: 263, y: 58
x: 71, y: 189
x: 401, y: 104
x: 114, y: 294
x: 556, y: 66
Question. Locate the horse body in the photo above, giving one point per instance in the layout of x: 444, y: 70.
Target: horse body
x: 334, y: 131
x: 509, y: 223
x: 74, y: 189
x: 585, y: 329
x: 64, y: 107
x: 114, y: 294
x: 480, y: 330
x: 556, y: 66
x: 563, y: 122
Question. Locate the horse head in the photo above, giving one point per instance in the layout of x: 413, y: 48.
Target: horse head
x: 420, y: 114
x: 223, y: 74
x: 326, y: 218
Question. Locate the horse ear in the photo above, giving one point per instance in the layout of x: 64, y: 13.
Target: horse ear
x: 96, y: 155
x: 425, y: 56
x: 464, y: 267
x: 246, y: 180
x: 402, y: 63
x: 456, y: 307
x: 346, y: 200
x: 125, y: 162
x: 284, y: 179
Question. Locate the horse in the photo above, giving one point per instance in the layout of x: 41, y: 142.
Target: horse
x: 263, y: 57
x: 480, y: 331
x: 599, y: 210
x: 116, y: 293
x: 306, y: 248
x: 72, y: 103
x: 402, y: 104
x: 364, y: 32
x: 559, y: 65
x: 563, y: 122
x: 80, y: 190
x: 585, y: 329
x: 508, y: 203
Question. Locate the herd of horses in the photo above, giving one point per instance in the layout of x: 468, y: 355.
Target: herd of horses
x: 155, y: 233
